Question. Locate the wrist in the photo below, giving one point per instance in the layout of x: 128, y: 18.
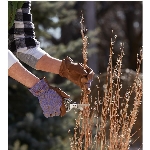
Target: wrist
x: 19, y: 73
x: 48, y: 64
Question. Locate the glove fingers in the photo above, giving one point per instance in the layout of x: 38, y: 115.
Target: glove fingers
x: 87, y: 84
x: 84, y: 80
x: 90, y: 73
x: 78, y: 68
x: 62, y: 93
x: 87, y: 79
x: 63, y: 110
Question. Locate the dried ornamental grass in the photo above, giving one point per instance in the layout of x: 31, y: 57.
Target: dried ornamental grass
x: 90, y: 132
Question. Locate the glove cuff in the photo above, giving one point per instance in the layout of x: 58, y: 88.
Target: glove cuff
x: 62, y: 68
x: 39, y: 88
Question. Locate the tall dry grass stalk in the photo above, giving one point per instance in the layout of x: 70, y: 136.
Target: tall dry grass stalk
x: 91, y: 129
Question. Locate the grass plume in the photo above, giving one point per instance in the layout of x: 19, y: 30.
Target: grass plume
x: 107, y: 124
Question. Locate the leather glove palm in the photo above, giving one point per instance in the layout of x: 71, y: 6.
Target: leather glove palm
x: 50, y: 98
x: 76, y: 73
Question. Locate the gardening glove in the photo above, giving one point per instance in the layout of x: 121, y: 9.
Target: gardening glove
x: 50, y: 98
x: 76, y: 73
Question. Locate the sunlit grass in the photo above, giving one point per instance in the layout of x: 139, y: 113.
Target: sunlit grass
x: 107, y: 124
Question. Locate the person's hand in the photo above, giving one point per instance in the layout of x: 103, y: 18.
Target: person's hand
x: 50, y: 98
x: 76, y: 73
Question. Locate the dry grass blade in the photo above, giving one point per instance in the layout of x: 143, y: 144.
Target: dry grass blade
x: 107, y: 123
x: 85, y: 130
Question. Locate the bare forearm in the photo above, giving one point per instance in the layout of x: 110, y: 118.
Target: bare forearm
x: 22, y: 75
x: 48, y: 64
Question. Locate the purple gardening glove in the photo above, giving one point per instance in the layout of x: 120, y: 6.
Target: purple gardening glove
x: 50, y: 98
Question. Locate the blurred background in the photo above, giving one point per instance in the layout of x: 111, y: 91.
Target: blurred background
x: 58, y: 28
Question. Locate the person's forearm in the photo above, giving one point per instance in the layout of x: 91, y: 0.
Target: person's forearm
x: 18, y: 72
x: 48, y: 63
